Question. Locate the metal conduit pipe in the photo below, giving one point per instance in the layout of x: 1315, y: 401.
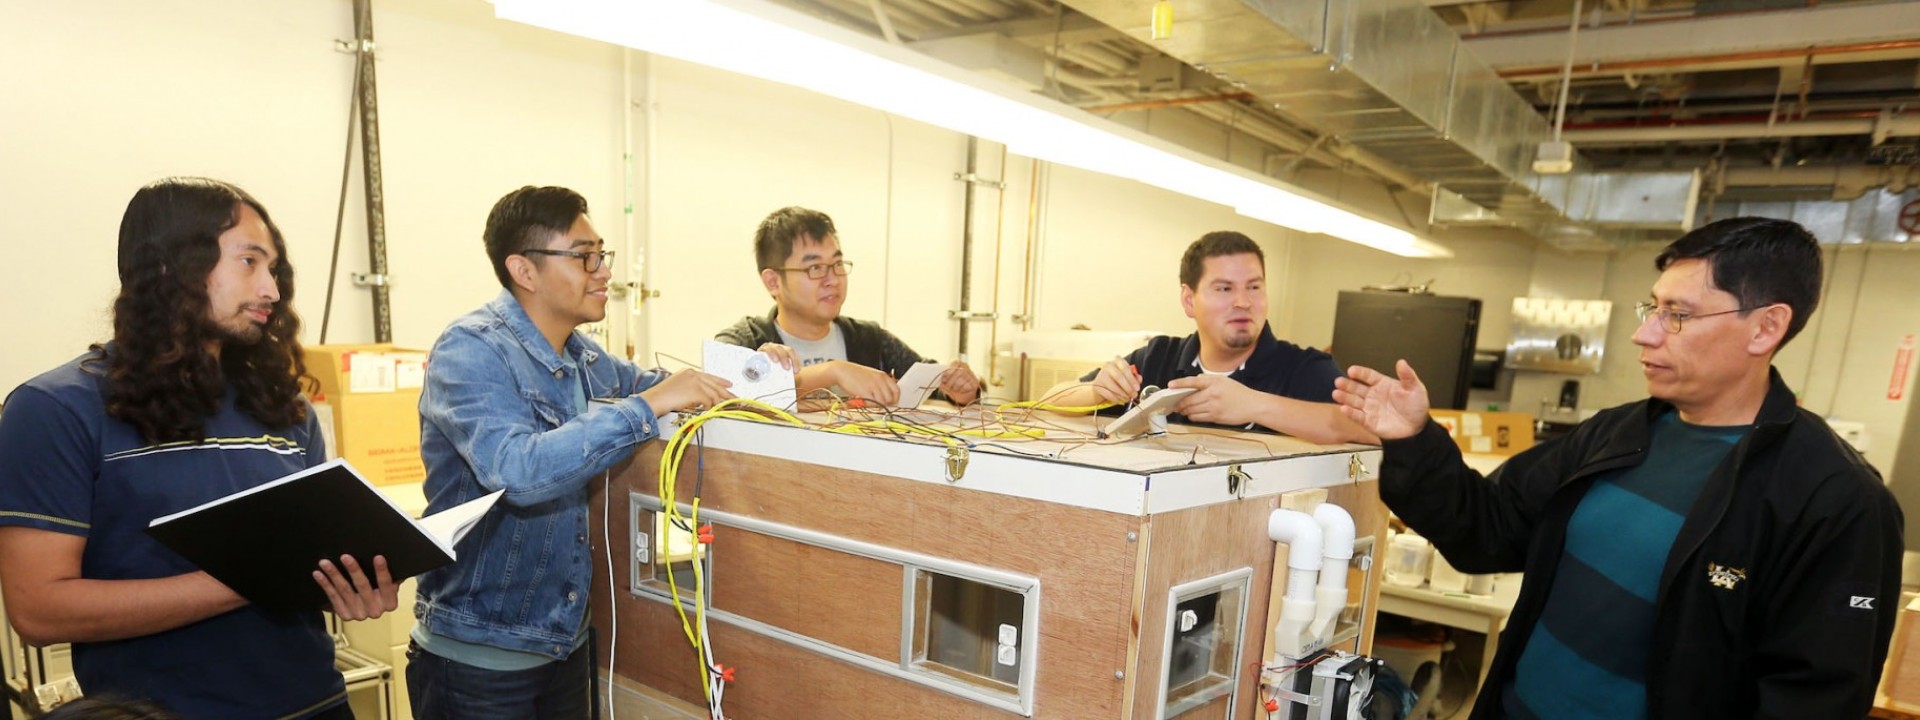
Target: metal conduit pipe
x: 1891, y: 126
x: 1624, y: 66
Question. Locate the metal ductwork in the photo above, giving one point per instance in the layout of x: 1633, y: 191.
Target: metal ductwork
x: 1872, y: 218
x: 1390, y: 77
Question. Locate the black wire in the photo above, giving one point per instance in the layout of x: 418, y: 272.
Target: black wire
x: 346, y: 175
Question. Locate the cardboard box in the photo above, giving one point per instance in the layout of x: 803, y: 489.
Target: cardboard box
x: 1901, y: 679
x: 374, y: 393
x: 1488, y: 433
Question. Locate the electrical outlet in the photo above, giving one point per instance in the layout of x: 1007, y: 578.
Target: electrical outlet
x: 641, y: 556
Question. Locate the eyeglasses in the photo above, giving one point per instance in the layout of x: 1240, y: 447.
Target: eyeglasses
x: 815, y: 272
x: 591, y: 260
x: 1672, y: 320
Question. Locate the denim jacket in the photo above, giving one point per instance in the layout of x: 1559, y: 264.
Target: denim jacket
x: 499, y: 413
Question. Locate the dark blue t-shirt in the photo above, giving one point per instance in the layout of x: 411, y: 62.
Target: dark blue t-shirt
x: 68, y: 467
x: 1276, y: 367
x: 1587, y: 656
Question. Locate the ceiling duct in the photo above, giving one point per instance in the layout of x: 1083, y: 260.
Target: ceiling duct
x: 1874, y: 217
x: 1390, y: 77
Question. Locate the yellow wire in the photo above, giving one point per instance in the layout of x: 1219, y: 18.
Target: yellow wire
x: 1041, y: 405
x: 669, y: 473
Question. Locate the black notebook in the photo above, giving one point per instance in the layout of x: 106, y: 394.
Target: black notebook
x: 265, y: 542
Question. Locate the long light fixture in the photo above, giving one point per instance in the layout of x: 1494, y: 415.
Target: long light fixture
x: 771, y: 42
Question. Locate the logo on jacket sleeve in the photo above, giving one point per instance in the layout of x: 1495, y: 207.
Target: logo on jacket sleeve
x: 1861, y: 602
x: 1724, y: 577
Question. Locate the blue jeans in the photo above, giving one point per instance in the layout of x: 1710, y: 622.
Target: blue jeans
x: 442, y: 689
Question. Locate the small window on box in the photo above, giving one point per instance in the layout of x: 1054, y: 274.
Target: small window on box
x: 969, y: 630
x: 675, y: 549
x: 1204, y: 634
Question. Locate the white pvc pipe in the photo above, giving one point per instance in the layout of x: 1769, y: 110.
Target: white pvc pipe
x: 1304, y: 542
x: 1336, y: 527
x: 1337, y: 535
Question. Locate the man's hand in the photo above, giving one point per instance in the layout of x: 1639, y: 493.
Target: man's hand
x: 351, y: 596
x: 686, y: 389
x: 1220, y: 400
x: 782, y: 354
x: 1117, y: 383
x: 960, y: 384
x: 861, y: 381
x: 1390, y: 408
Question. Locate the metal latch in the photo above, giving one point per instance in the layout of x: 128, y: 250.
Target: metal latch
x: 1237, y: 480
x: 957, y: 457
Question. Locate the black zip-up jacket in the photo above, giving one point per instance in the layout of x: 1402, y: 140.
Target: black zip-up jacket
x: 867, y: 343
x: 1778, y: 597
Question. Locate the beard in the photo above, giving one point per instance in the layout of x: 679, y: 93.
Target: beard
x: 1238, y: 341
x: 238, y: 329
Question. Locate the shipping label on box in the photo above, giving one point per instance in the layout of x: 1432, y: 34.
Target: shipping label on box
x: 374, y: 397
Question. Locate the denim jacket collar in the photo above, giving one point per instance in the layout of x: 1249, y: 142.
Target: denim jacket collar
x: 507, y: 308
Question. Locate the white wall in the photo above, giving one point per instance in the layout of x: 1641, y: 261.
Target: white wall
x: 104, y: 98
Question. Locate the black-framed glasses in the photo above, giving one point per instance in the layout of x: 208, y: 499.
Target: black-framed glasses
x: 591, y: 259
x: 815, y: 272
x: 1672, y: 320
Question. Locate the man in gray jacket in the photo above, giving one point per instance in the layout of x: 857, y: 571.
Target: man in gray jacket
x: 798, y: 253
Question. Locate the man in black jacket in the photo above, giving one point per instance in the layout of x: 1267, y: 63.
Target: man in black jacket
x: 1713, y: 551
x: 798, y: 253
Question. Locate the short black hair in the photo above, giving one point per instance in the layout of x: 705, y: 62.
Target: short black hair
x: 1215, y: 244
x: 773, y: 242
x: 1760, y: 261
x: 524, y: 218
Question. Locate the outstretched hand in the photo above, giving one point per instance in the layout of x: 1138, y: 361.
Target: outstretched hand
x: 1391, y: 408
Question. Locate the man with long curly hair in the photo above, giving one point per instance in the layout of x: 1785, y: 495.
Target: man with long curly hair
x: 517, y: 400
x: 196, y: 397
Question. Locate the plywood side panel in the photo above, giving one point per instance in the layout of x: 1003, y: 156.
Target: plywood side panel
x: 1083, y: 559
x: 827, y: 595
x: 1195, y: 544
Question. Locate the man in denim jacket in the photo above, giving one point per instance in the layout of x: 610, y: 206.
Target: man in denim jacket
x: 507, y: 407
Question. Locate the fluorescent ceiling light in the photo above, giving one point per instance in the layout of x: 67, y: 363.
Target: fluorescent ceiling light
x: 768, y: 41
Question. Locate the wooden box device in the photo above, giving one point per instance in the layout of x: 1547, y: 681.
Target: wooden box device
x: 869, y: 577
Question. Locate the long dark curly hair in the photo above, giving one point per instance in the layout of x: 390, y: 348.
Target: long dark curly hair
x: 160, y: 376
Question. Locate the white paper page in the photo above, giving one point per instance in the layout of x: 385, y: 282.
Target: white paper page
x: 451, y: 524
x: 754, y: 375
x: 919, y: 383
x: 1160, y: 403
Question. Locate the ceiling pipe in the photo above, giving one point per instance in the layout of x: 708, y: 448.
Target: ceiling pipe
x: 1708, y: 129
x: 1175, y: 102
x: 1626, y: 66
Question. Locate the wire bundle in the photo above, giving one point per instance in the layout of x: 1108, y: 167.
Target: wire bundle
x: 713, y: 676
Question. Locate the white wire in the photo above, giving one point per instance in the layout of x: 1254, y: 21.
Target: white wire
x: 606, y: 546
